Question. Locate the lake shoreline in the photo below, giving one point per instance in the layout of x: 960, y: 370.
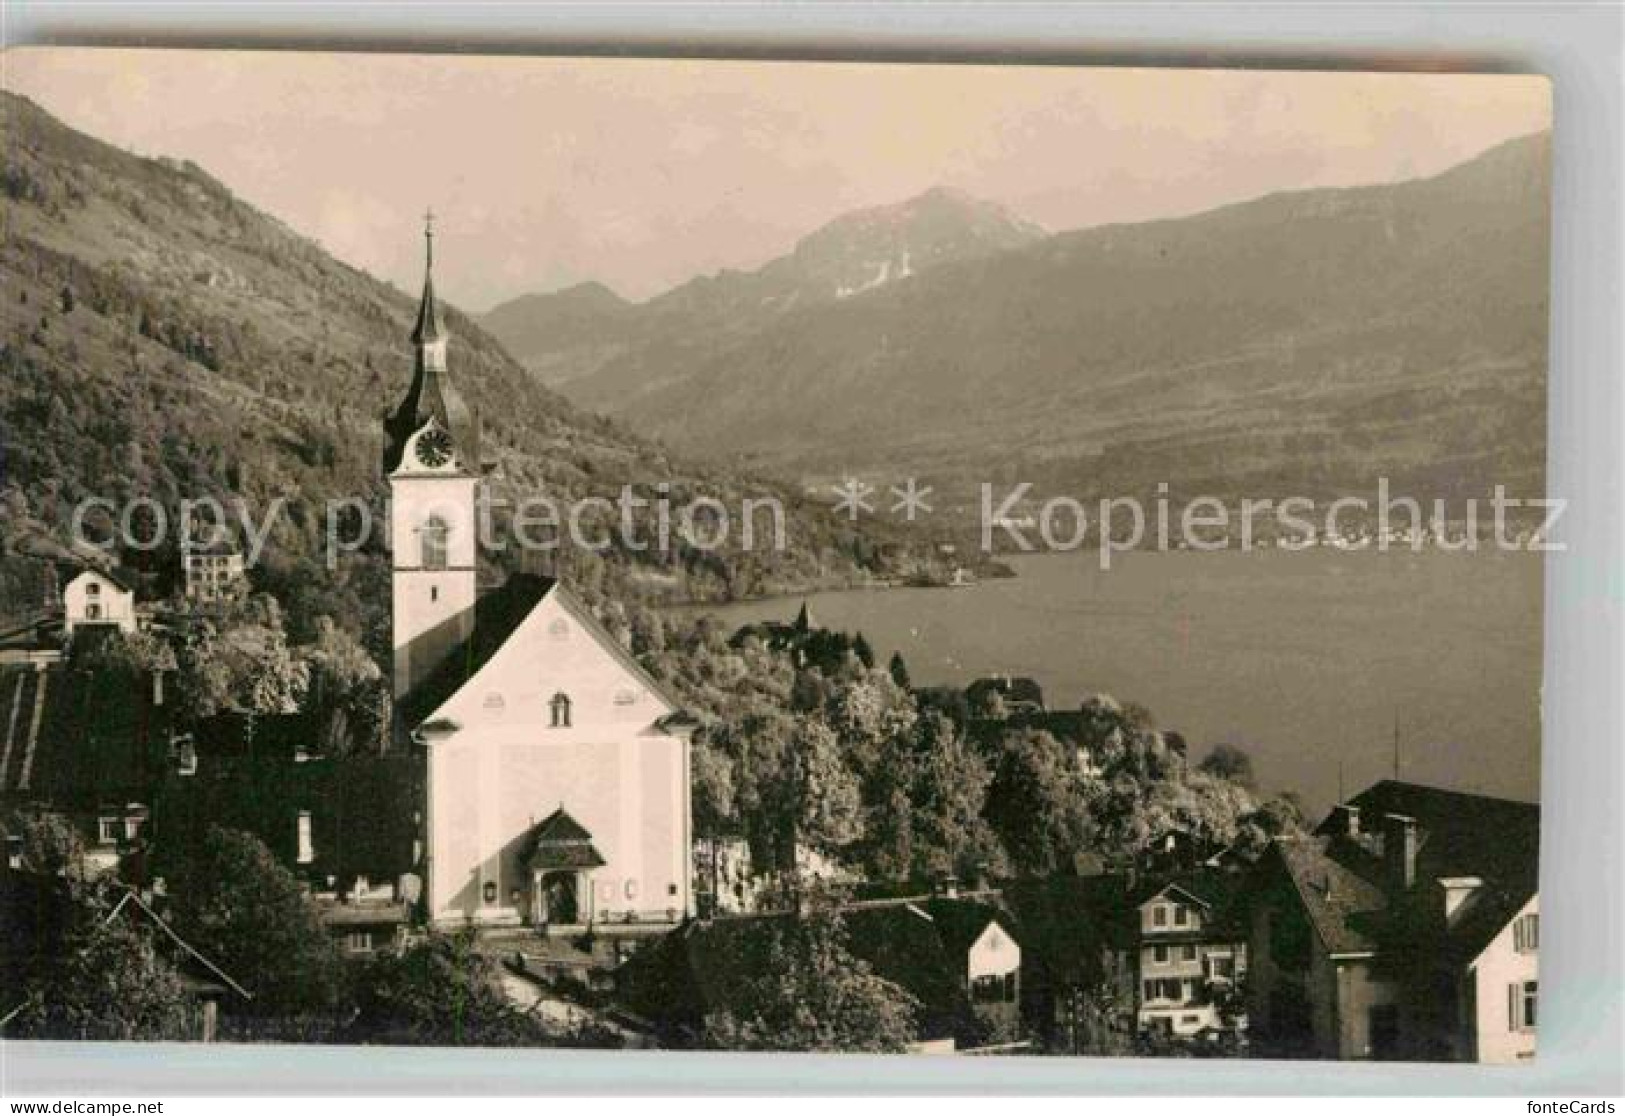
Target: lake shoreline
x: 1304, y: 657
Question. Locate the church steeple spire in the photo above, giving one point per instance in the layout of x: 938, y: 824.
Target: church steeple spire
x: 428, y: 331
x: 432, y: 395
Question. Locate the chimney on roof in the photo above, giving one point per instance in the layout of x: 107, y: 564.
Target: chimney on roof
x: 1399, y: 850
x: 948, y: 887
x: 1346, y: 820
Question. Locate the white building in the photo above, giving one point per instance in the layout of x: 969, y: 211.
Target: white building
x: 212, y: 570
x: 1502, y: 990
x: 94, y: 597
x: 557, y: 772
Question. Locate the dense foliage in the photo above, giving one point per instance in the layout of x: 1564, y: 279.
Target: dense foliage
x: 441, y: 991
x: 799, y: 988
x: 105, y: 980
x: 805, y: 747
x: 240, y: 907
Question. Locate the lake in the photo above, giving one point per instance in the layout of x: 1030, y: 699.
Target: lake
x: 1304, y: 658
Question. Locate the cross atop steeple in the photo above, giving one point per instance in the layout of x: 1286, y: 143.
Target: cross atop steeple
x: 428, y: 236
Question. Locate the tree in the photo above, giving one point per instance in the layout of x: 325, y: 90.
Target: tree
x: 898, y: 670
x: 951, y: 836
x: 441, y: 992
x: 1227, y: 761
x: 1122, y: 736
x: 824, y: 802
x: 51, y: 846
x: 1279, y: 816
x: 126, y: 658
x: 714, y: 806
x: 926, y: 819
x: 797, y: 987
x: 106, y: 981
x: 248, y: 669
x: 865, y: 653
x: 235, y: 903
x: 793, y: 787
x: 344, y: 694
x: 873, y: 716
x: 1036, y: 803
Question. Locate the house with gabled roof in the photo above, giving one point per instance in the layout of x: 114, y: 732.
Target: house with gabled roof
x: 1405, y: 927
x: 557, y: 785
x: 96, y: 598
x: 1192, y: 953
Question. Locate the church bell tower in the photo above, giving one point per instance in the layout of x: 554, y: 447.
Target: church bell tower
x: 432, y: 462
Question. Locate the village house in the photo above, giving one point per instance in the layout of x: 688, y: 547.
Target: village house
x: 95, y: 597
x: 557, y: 779
x: 1192, y: 954
x: 982, y: 942
x: 1113, y: 956
x: 1003, y: 696
x: 1407, y: 926
x: 211, y: 569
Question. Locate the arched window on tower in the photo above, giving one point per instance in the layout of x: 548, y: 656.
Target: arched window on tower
x: 560, y: 705
x: 436, y: 536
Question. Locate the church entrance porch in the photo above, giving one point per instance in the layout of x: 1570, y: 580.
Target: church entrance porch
x: 560, y: 858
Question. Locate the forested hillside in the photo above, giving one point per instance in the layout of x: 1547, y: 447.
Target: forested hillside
x: 161, y: 338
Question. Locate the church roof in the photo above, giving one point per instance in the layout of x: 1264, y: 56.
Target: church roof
x: 561, y: 842
x: 497, y: 616
x: 560, y: 826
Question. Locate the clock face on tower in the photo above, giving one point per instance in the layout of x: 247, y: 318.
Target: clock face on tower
x: 434, y: 448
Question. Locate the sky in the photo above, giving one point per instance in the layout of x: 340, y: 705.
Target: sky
x: 641, y: 174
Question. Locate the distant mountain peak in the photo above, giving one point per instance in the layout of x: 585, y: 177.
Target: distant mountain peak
x: 877, y: 245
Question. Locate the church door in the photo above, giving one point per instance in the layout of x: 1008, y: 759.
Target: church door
x: 559, y: 904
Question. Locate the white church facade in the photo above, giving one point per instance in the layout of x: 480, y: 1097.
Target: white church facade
x: 557, y: 772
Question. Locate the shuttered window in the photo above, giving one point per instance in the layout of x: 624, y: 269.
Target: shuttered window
x: 1526, y: 933
x: 1521, y: 1002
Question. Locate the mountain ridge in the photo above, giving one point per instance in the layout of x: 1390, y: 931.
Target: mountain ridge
x: 1121, y: 355
x: 560, y: 338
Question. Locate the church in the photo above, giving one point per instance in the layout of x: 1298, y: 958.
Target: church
x: 557, y: 771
